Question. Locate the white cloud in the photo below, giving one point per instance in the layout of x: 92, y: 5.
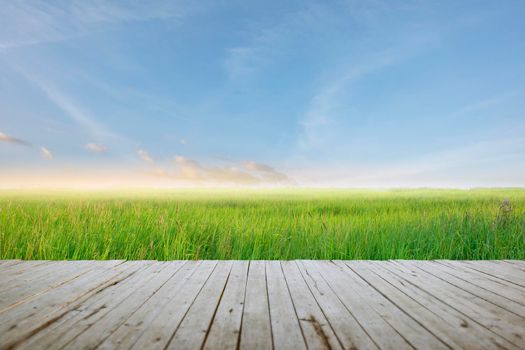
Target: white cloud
x: 189, y: 169
x: 145, y: 156
x: 154, y: 168
x: 267, y: 172
x: 10, y: 139
x: 96, y: 148
x: 254, y: 173
x: 47, y: 154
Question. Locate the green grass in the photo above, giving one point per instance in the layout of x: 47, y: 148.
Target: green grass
x: 263, y: 224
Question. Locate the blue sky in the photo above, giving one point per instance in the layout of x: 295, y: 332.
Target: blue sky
x: 310, y: 93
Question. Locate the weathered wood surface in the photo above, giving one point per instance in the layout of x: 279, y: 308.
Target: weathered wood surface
x: 303, y: 304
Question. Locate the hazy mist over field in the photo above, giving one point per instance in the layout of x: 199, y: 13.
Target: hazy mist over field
x: 262, y: 94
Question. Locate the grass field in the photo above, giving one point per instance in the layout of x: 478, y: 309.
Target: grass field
x: 263, y: 224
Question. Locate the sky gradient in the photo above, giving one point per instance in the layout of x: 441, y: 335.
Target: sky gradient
x: 276, y: 93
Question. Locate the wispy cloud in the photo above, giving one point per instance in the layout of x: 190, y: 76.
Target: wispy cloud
x: 271, y: 39
x: 320, y: 113
x: 67, y: 104
x: 153, y: 167
x: 485, y: 104
x: 47, y: 154
x: 72, y: 109
x: 145, y: 156
x: 266, y: 41
x: 10, y: 139
x: 319, y: 121
x: 189, y: 169
x: 267, y: 172
x: 96, y: 148
x: 492, y: 162
x: 44, y: 152
x: 34, y: 22
x: 192, y: 170
x: 253, y: 173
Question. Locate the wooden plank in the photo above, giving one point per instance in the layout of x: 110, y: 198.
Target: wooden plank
x: 449, y: 325
x: 15, y: 265
x: 128, y: 333
x: 491, y: 288
x: 95, y: 319
x: 498, y: 271
x: 475, y: 276
x: 516, y: 262
x: 316, y: 328
x: 347, y: 329
x: 4, y: 264
x: 36, y: 298
x: 102, y: 324
x: 262, y: 304
x: 8, y: 261
x: 59, y: 333
x: 406, y: 326
x: 21, y: 322
x: 379, y: 330
x: 162, y: 328
x: 193, y: 329
x: 493, y: 317
x: 30, y: 273
x: 16, y: 270
x: 507, y: 298
x: 226, y: 327
x: 30, y: 270
x: 24, y: 289
x: 256, y: 330
x: 512, y: 267
x: 286, y: 329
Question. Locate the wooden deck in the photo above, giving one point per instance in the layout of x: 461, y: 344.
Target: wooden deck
x: 262, y: 304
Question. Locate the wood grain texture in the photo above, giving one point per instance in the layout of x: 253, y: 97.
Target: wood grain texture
x: 256, y: 329
x: 301, y: 304
x: 226, y: 327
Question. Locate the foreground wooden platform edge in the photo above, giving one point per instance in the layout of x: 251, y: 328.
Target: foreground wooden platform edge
x: 303, y: 304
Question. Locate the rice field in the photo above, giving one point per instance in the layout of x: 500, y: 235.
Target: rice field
x: 263, y: 224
